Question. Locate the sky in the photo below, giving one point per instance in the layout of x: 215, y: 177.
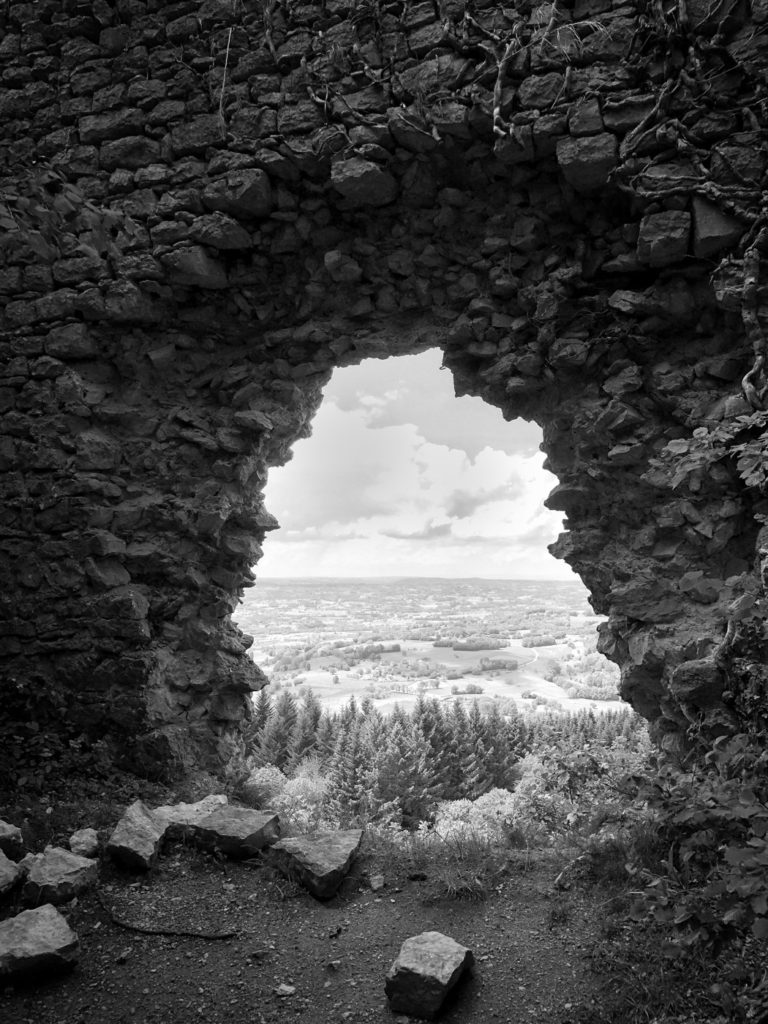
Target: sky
x: 401, y: 478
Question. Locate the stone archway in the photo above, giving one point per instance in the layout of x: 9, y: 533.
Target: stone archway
x: 205, y: 208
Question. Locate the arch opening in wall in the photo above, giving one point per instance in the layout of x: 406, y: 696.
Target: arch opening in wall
x: 410, y: 511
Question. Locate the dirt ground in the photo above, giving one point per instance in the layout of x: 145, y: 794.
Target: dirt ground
x: 330, y: 958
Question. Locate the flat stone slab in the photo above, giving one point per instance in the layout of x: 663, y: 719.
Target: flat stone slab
x: 428, y: 966
x: 58, y: 875
x: 180, y: 817
x: 135, y: 843
x: 36, y: 941
x: 10, y: 873
x: 236, y: 831
x: 319, y: 860
x: 11, y: 841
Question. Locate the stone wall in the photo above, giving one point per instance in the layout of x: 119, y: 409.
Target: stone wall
x: 206, y: 207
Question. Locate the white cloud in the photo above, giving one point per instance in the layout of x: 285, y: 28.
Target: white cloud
x: 361, y: 498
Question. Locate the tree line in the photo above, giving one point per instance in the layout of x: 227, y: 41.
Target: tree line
x: 409, y: 761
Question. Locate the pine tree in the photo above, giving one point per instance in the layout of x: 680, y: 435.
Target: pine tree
x: 427, y: 718
x: 458, y: 750
x: 274, y: 742
x: 262, y: 711
x: 347, y: 775
x: 477, y: 764
x: 401, y: 775
x: 325, y: 739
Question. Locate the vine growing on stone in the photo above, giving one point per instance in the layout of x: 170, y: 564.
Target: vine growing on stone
x: 743, y: 439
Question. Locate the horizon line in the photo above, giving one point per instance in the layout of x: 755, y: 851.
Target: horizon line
x: 401, y: 576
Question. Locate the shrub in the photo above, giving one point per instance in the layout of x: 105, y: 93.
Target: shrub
x: 263, y: 785
x: 301, y: 800
x: 713, y: 888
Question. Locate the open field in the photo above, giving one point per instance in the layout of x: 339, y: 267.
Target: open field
x: 377, y: 638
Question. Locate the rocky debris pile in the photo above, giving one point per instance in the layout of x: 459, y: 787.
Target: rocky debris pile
x: 210, y: 823
x: 40, y: 939
x: 428, y: 967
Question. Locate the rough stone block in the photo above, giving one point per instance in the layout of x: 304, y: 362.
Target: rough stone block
x: 427, y: 968
x: 242, y: 193
x: 114, y: 124
x: 587, y: 162
x: 84, y: 842
x: 135, y: 843
x: 620, y: 115
x: 179, y: 818
x: 363, y: 183
x: 664, y: 237
x: 192, y: 265
x: 10, y: 874
x: 11, y: 842
x: 221, y: 231
x: 236, y: 831
x: 58, y: 875
x: 196, y: 136
x: 38, y: 941
x: 132, y: 152
x: 713, y: 230
x: 319, y: 860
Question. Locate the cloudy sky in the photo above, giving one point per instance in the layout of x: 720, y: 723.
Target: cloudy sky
x: 401, y: 478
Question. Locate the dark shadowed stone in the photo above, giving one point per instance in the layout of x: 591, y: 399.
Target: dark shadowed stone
x: 586, y: 162
x: 193, y: 266
x: 58, y: 875
x: 131, y: 153
x: 10, y: 873
x: 197, y: 136
x: 236, y: 831
x: 363, y: 183
x: 427, y: 968
x: 664, y: 237
x: 626, y: 112
x: 37, y: 940
x: 135, y: 843
x: 219, y: 230
x: 114, y: 124
x: 319, y: 860
x: 11, y: 842
x: 697, y: 680
x: 243, y: 193
x: 713, y: 230
x: 517, y: 147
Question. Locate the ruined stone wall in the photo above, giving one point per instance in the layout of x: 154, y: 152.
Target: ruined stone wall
x: 206, y: 207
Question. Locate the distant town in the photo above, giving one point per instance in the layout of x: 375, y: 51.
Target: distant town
x: 392, y: 639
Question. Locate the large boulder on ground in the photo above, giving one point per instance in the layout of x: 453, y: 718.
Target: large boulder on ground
x: 236, y: 831
x: 58, y: 875
x: 11, y: 842
x: 179, y: 818
x: 426, y: 969
x: 319, y: 860
x: 135, y: 843
x: 10, y: 873
x: 38, y: 941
